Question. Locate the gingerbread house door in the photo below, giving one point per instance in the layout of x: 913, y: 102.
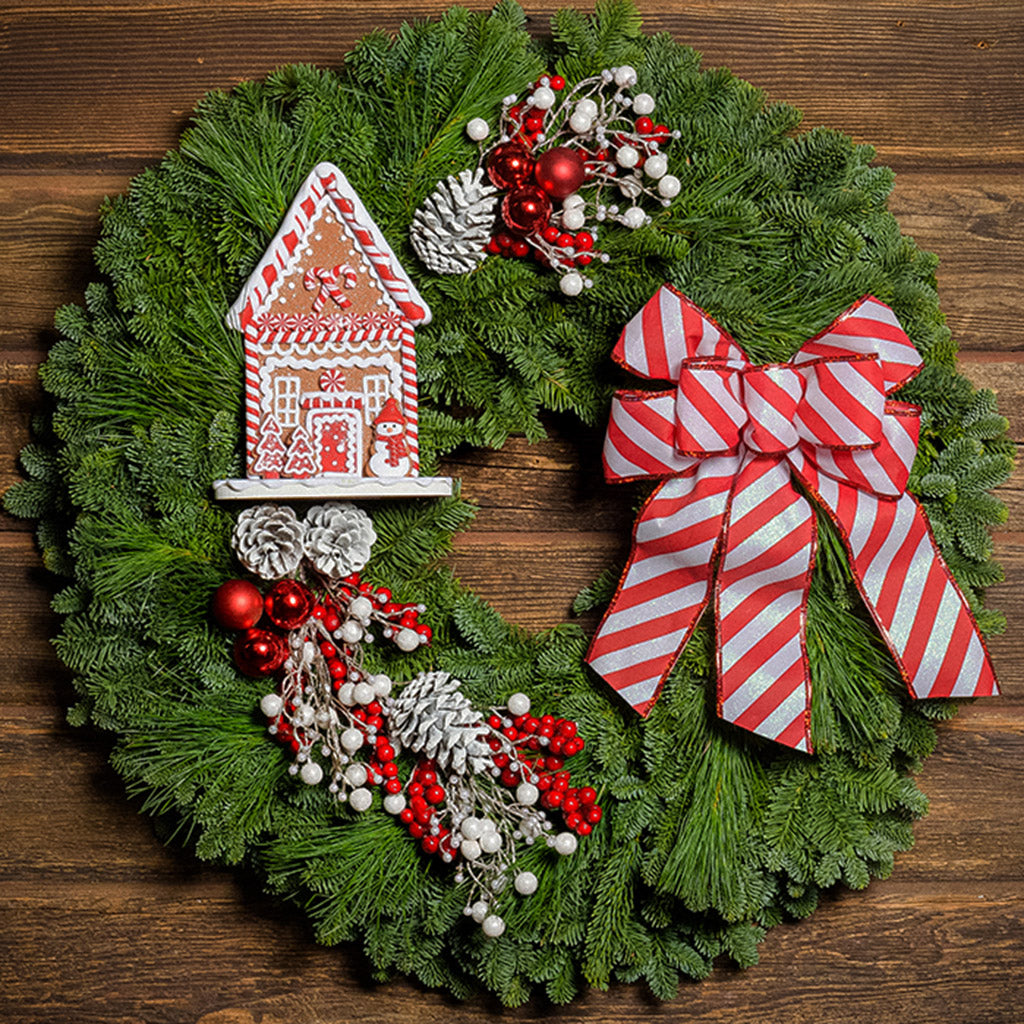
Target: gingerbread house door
x: 339, y: 437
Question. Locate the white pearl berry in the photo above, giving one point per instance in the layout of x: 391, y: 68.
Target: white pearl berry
x: 527, y: 794
x: 470, y: 849
x: 518, y: 704
x: 490, y: 842
x: 571, y: 283
x: 351, y: 631
x: 669, y: 186
x: 574, y: 219
x: 304, y: 714
x: 471, y: 828
x: 580, y: 123
x: 493, y: 926
x: 625, y: 76
x: 351, y: 740
x: 360, y: 799
x: 587, y: 107
x: 271, y: 705
x: 478, y: 129
x: 363, y: 693
x: 355, y: 774
x: 627, y: 156
x: 573, y: 201
x: 394, y: 803
x: 543, y: 98
x: 634, y: 217
x: 345, y: 694
x: 656, y: 166
x: 361, y: 608
x: 478, y: 911
x: 565, y: 843
x: 407, y: 640
x: 381, y: 684
x: 311, y: 773
x: 643, y: 103
x: 526, y: 883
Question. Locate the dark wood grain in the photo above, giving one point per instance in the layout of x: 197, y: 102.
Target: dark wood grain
x: 103, y: 924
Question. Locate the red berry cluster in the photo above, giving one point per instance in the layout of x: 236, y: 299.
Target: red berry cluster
x: 421, y: 817
x: 576, y: 248
x: 543, y: 763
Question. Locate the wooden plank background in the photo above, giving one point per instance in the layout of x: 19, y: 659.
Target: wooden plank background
x: 101, y: 923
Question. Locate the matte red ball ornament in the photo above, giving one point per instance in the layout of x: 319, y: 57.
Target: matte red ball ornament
x: 560, y: 171
x: 288, y: 604
x: 236, y: 604
x: 259, y: 652
x: 526, y: 209
x: 509, y: 165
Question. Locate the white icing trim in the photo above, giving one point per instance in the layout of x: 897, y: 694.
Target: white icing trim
x: 294, y: 217
x: 369, y: 488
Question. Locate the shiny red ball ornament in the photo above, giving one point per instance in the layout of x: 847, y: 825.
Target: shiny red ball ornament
x: 259, y: 652
x: 560, y: 171
x: 288, y: 604
x: 526, y: 209
x: 236, y: 604
x: 509, y: 165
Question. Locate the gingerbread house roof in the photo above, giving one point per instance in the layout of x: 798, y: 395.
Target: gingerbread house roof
x: 326, y: 187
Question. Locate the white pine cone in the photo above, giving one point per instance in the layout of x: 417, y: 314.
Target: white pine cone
x: 339, y: 537
x: 432, y: 717
x: 450, y: 229
x: 268, y: 540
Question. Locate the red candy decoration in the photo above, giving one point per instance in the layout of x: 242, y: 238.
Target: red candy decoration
x: 525, y: 209
x: 236, y: 604
x: 509, y: 165
x: 259, y: 652
x: 288, y: 604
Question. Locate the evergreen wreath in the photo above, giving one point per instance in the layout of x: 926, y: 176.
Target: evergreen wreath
x: 710, y: 835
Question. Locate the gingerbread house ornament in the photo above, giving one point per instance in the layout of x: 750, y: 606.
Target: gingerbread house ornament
x: 329, y: 319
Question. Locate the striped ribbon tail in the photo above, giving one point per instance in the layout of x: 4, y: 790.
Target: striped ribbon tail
x: 910, y: 592
x: 667, y: 584
x: 761, y: 606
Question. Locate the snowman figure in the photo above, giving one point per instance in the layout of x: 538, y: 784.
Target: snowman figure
x: 390, y: 455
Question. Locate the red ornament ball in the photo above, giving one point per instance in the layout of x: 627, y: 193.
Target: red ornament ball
x: 236, y: 604
x: 526, y: 209
x: 560, y: 171
x: 259, y: 652
x: 288, y: 604
x: 509, y: 165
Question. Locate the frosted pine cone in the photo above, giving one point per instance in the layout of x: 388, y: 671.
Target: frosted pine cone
x: 268, y: 540
x: 339, y: 537
x: 432, y: 717
x: 451, y: 228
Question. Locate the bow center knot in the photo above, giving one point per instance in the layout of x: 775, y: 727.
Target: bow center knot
x: 770, y: 396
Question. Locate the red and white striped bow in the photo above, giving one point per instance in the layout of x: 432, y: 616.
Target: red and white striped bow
x: 731, y: 438
x: 324, y: 280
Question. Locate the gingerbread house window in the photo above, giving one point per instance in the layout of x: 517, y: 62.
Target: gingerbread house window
x: 329, y: 319
x: 376, y: 391
x: 286, y: 400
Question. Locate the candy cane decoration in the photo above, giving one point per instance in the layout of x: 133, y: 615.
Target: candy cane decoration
x: 326, y: 280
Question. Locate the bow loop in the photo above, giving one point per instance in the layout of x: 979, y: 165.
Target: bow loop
x: 709, y: 408
x: 844, y: 404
